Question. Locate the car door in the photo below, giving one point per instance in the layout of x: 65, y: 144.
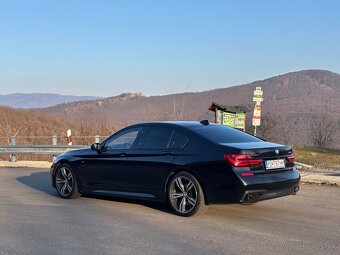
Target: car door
x: 105, y: 168
x: 150, y: 162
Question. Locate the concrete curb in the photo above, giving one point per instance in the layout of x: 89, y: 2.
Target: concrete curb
x: 302, y: 165
x: 320, y: 179
x: 26, y: 164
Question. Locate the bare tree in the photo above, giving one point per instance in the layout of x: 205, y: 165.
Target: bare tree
x: 323, y: 129
x: 269, y: 128
x: 94, y: 123
x: 8, y: 128
x: 177, y: 110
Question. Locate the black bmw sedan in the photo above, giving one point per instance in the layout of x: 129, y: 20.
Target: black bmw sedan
x: 186, y: 164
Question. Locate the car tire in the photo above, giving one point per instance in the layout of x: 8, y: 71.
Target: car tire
x: 185, y: 195
x: 66, y: 182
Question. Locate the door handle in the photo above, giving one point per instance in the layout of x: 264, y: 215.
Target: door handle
x: 123, y: 154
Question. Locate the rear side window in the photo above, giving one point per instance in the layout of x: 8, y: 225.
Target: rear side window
x: 223, y: 134
x: 178, y: 141
x: 156, y: 138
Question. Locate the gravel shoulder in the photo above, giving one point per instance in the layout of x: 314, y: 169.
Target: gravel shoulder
x: 321, y: 175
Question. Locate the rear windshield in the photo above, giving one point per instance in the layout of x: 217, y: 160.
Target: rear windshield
x: 222, y: 134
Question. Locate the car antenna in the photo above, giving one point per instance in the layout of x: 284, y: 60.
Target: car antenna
x: 204, y: 122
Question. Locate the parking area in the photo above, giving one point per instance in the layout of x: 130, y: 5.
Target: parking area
x: 33, y: 220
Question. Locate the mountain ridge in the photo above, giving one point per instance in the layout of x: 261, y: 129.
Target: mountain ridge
x: 39, y: 100
x: 291, y: 99
x: 284, y: 82
x: 291, y: 103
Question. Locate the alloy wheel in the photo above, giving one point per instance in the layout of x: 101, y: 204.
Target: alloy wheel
x: 183, y: 194
x: 64, y: 181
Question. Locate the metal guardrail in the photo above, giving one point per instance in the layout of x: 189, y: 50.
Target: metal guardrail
x: 53, y: 150
x: 37, y: 149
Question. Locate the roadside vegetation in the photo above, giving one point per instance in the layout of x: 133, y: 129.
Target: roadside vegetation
x: 322, y: 157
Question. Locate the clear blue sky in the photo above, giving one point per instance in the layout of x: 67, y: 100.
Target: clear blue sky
x: 105, y: 48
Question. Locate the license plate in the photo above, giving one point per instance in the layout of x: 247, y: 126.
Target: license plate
x: 275, y: 164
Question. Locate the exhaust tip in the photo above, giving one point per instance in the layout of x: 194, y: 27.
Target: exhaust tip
x: 253, y: 196
x: 296, y: 189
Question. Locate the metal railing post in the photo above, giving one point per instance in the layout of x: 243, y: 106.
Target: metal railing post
x: 54, y: 140
x: 13, y: 156
x: 54, y: 143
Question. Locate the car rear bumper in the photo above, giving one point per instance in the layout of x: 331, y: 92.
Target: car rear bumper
x: 270, y: 185
x: 251, y: 196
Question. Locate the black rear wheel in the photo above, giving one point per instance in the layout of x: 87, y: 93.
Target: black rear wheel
x: 185, y: 195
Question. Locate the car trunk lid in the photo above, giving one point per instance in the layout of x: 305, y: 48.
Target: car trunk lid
x: 262, y: 150
x: 274, y: 156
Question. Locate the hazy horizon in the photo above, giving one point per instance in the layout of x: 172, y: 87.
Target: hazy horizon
x: 127, y: 92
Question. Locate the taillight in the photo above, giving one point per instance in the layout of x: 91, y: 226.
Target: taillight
x: 290, y: 159
x: 242, y: 160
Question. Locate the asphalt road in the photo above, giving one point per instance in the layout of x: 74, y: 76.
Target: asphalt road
x: 33, y: 220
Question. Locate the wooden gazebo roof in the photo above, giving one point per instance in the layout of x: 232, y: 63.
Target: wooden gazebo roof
x: 226, y: 108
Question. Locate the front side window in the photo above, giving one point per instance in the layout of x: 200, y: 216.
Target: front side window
x: 156, y: 138
x: 123, y: 140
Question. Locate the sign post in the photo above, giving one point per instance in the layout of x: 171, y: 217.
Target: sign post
x: 257, y: 98
x: 69, y: 137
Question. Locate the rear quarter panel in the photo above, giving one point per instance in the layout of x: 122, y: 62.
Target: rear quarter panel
x: 205, y: 160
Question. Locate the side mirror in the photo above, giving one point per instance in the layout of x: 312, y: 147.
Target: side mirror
x: 95, y: 147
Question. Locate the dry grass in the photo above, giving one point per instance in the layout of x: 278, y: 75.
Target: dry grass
x: 317, y: 156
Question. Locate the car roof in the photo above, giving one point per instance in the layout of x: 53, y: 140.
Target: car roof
x: 186, y: 124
